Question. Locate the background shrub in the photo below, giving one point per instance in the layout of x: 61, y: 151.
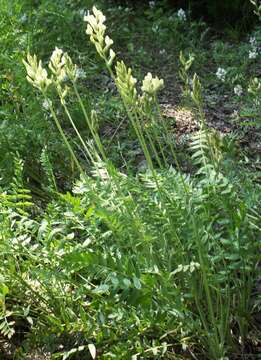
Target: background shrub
x: 231, y: 13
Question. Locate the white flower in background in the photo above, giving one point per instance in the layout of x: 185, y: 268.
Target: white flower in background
x: 151, y: 85
x: 152, y: 4
x: 155, y: 28
x: 235, y: 114
x: 80, y: 74
x: 253, y: 53
x: 238, y: 90
x: 83, y: 13
x: 23, y: 18
x: 162, y: 52
x: 221, y: 74
x: 252, y: 41
x: 46, y: 104
x: 182, y: 15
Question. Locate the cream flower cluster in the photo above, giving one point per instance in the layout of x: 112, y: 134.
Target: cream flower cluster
x: 36, y: 74
x: 56, y: 64
x: 124, y: 79
x: 61, y: 66
x: 152, y: 85
x: 96, y: 31
x: 182, y: 15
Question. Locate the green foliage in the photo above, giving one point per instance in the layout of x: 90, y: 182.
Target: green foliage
x: 128, y: 245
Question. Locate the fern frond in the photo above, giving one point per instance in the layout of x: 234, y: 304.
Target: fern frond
x: 18, y: 198
x: 47, y: 167
x: 6, y: 326
x: 199, y: 147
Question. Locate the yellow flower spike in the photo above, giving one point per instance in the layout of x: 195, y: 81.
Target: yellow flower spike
x: 62, y: 66
x: 56, y: 65
x: 126, y: 82
x: 95, y: 22
x: 69, y: 67
x: 55, y: 59
x: 96, y: 30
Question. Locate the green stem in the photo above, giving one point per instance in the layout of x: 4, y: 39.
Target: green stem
x: 77, y: 132
x: 63, y: 135
x: 169, y: 141
x: 88, y: 121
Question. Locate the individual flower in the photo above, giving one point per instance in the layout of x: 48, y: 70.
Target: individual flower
x: 238, y: 90
x: 182, y: 15
x: 36, y: 74
x: 151, y: 85
x: 152, y: 4
x: 221, y: 74
x: 111, y: 57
